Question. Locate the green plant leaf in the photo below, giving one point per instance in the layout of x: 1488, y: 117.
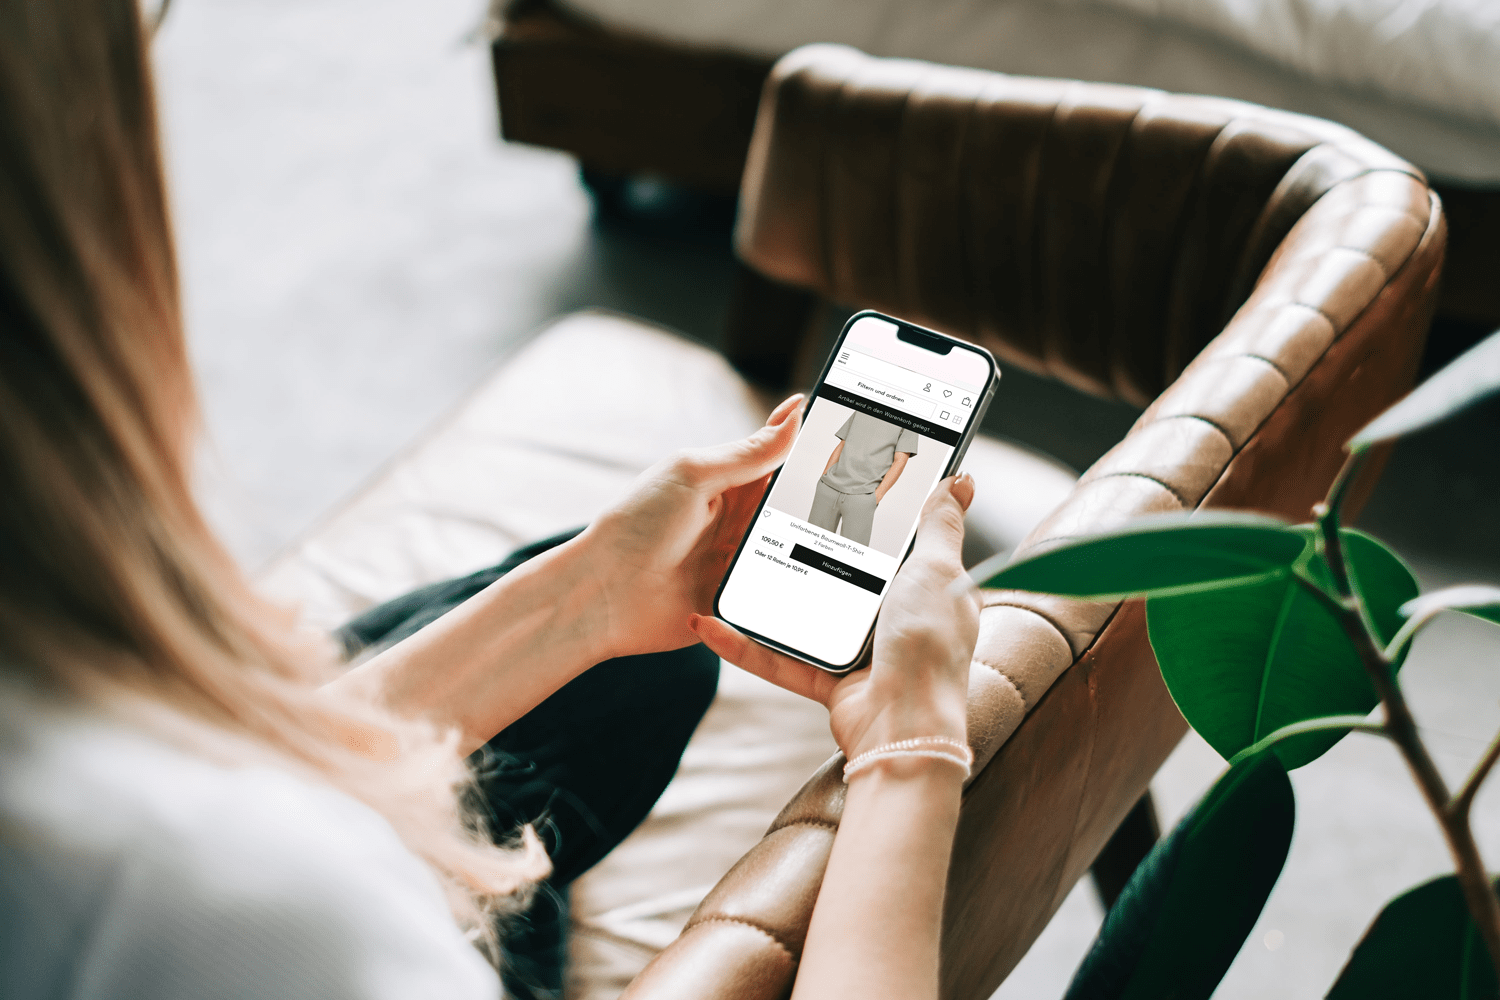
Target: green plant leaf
x: 1478, y: 600
x: 1466, y: 380
x: 1243, y: 661
x: 1423, y: 944
x: 1155, y: 555
x: 1191, y: 903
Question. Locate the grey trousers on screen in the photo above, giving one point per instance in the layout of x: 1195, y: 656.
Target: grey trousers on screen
x: 856, y: 511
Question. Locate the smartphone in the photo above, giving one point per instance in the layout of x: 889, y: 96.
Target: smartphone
x: 892, y: 414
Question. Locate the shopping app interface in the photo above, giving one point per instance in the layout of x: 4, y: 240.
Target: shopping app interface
x: 875, y: 441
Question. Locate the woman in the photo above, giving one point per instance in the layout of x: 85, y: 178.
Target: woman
x: 196, y: 801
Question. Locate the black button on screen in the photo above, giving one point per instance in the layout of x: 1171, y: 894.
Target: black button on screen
x: 845, y: 572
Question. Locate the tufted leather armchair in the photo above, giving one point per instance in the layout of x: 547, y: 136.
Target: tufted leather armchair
x: 1261, y: 281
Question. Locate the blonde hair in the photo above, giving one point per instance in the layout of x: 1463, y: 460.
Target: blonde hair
x: 113, y: 589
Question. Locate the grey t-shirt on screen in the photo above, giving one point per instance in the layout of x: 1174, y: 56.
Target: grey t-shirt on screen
x: 870, y: 446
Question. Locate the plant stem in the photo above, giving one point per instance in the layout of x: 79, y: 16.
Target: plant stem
x: 1462, y: 802
x: 1401, y: 727
x: 1348, y: 723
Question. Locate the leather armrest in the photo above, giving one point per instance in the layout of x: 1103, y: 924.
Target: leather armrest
x: 1266, y: 278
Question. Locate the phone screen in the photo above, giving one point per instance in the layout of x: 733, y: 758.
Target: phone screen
x: 880, y: 432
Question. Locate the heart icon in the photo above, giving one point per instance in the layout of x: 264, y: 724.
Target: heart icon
x: 947, y: 392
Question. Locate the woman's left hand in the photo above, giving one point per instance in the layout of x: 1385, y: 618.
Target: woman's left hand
x: 662, y: 551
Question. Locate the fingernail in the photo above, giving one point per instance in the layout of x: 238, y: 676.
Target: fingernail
x: 790, y: 405
x: 967, y: 481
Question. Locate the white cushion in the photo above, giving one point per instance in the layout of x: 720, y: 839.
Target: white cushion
x: 1417, y: 76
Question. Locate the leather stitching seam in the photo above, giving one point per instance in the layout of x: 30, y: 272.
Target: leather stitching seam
x: 827, y: 824
x: 1194, y: 416
x: 1111, y: 185
x: 1055, y: 627
x: 1312, y: 309
x: 1386, y: 170
x: 1384, y: 273
x: 1014, y: 684
x: 1338, y: 331
x: 1061, y: 632
x: 1385, y: 287
x: 1276, y: 367
x: 1150, y: 478
x: 753, y: 925
x: 1361, y: 251
x: 1171, y: 340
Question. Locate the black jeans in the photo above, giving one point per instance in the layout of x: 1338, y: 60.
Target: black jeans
x: 585, y: 766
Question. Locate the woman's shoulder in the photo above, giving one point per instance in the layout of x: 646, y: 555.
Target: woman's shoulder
x: 137, y: 868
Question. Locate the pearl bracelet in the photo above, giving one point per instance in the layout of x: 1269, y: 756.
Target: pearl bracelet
x: 934, y: 747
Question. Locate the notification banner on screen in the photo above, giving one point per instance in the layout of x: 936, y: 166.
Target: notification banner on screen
x: 926, y: 428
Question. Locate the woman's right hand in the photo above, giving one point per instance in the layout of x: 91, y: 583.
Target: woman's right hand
x: 917, y: 680
x: 874, y: 932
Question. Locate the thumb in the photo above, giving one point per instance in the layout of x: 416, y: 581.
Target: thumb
x: 736, y: 463
x: 940, y: 529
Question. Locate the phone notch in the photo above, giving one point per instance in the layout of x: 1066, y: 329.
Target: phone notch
x: 924, y: 340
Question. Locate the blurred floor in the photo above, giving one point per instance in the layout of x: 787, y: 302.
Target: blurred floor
x: 358, y: 249
x: 357, y: 246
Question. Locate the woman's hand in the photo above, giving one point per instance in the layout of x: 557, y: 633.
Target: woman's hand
x: 917, y: 681
x: 662, y: 551
x: 875, y: 928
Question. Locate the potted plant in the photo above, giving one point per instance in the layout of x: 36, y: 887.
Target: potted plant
x: 1276, y: 641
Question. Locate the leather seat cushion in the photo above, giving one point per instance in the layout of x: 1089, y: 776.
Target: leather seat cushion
x: 546, y: 442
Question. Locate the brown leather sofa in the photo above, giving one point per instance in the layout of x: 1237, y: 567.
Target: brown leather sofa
x: 1263, y: 281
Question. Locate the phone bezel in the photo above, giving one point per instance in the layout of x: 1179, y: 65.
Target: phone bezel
x: 992, y: 381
